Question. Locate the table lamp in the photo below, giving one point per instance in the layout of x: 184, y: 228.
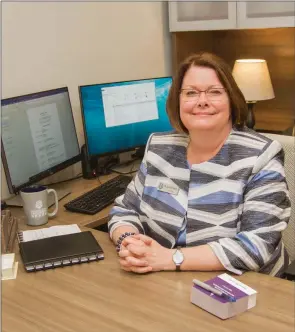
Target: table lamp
x: 253, y: 79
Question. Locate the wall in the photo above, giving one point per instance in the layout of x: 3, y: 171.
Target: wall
x: 46, y: 45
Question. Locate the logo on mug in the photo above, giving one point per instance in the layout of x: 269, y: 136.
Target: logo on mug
x: 40, y: 211
x: 39, y: 204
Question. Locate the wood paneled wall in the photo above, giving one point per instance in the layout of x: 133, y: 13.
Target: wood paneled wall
x: 276, y: 46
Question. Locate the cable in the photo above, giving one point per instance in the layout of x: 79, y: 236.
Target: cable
x: 98, y: 179
x: 123, y: 173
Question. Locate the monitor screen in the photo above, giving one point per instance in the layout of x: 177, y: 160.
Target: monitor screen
x: 38, y: 136
x: 120, y: 116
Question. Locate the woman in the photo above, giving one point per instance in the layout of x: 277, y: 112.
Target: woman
x: 210, y: 196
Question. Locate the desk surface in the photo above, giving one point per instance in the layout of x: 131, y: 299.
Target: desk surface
x: 100, y: 297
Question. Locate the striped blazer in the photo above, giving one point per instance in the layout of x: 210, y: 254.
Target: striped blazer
x: 237, y: 202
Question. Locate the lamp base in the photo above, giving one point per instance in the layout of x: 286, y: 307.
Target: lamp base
x: 250, y: 121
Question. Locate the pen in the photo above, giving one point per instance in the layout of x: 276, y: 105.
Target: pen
x: 214, y: 290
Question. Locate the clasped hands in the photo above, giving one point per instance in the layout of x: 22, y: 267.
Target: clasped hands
x: 141, y: 254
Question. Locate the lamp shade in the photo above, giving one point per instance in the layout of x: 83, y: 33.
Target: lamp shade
x: 253, y: 79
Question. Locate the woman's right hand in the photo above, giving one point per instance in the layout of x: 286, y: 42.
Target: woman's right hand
x: 133, y: 262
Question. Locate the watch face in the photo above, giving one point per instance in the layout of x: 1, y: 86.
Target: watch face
x: 178, y: 257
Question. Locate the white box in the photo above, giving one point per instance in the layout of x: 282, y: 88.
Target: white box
x: 219, y: 306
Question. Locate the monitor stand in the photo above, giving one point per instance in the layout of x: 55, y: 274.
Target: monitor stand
x: 17, y: 201
x: 127, y: 168
x: 139, y: 153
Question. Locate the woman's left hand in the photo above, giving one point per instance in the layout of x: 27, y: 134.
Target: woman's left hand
x: 142, y: 251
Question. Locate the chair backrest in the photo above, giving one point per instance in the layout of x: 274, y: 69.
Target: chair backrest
x: 288, y: 144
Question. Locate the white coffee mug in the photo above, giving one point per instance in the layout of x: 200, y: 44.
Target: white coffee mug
x: 35, y: 203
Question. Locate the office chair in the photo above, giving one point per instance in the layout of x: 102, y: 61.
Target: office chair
x: 288, y: 144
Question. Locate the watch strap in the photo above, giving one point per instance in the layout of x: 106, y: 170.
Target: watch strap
x: 178, y: 264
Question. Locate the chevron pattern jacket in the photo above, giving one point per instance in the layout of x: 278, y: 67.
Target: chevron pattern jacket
x: 237, y: 202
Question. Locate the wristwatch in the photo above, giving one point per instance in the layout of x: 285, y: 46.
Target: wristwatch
x: 178, y: 258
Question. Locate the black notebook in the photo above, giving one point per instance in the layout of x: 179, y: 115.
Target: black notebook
x: 59, y: 251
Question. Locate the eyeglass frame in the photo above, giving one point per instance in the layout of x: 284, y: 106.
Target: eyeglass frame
x: 200, y: 91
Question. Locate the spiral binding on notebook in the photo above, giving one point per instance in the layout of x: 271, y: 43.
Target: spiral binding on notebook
x: 65, y: 261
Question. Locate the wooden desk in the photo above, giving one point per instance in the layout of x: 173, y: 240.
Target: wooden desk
x: 100, y: 297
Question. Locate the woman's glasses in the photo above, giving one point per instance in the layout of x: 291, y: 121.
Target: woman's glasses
x: 193, y: 95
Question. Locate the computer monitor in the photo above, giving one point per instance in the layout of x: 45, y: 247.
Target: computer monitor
x: 120, y: 116
x: 38, y: 137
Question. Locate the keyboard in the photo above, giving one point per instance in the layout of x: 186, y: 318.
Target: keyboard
x: 98, y: 198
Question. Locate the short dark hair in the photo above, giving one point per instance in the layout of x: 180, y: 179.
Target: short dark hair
x: 237, y: 100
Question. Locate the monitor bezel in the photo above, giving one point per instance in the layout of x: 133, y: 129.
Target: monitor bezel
x: 42, y: 175
x: 84, y: 124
